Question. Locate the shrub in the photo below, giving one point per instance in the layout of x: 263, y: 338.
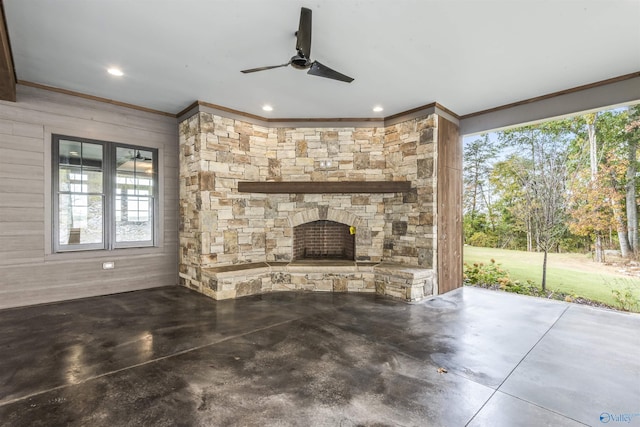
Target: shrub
x: 493, y: 276
x: 528, y: 288
x: 482, y: 274
x: 623, y: 294
x: 625, y: 300
x: 480, y: 238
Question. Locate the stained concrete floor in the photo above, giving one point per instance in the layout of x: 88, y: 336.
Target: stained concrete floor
x: 171, y: 357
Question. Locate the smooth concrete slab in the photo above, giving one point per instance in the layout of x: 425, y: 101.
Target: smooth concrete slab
x: 300, y: 373
x: 587, y: 365
x: 48, y: 346
x: 173, y: 357
x: 476, y: 334
x: 508, y: 411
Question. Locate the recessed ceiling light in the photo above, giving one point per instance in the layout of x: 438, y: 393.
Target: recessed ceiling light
x: 74, y: 153
x: 267, y: 107
x: 377, y: 108
x: 115, y: 72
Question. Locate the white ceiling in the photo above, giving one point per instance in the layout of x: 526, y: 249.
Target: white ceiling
x: 466, y: 55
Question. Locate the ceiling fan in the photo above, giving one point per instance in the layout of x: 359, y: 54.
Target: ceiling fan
x: 301, y: 60
x: 140, y: 157
x: 133, y: 157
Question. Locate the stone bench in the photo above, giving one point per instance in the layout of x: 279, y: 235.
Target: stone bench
x: 408, y: 283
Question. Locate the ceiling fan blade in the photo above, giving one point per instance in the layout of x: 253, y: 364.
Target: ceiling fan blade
x: 317, y: 69
x: 253, y: 70
x: 303, y: 43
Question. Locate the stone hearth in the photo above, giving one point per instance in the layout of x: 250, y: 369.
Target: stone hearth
x: 235, y: 243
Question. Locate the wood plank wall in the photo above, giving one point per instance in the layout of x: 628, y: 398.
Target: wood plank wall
x: 449, y: 205
x: 29, y: 272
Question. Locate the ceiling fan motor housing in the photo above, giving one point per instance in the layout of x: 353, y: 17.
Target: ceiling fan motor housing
x: 300, y: 62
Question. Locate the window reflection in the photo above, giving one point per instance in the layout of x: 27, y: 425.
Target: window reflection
x: 81, y: 190
x: 134, y: 195
x: 105, y: 194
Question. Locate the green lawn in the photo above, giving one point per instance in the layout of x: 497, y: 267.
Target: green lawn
x: 571, y: 273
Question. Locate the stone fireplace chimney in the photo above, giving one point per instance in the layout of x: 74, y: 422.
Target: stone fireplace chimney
x: 237, y: 242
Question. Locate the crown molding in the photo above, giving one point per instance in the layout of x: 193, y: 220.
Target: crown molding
x: 94, y: 98
x: 356, y: 122
x: 470, y: 123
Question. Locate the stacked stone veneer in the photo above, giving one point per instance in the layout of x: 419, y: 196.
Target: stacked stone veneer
x: 235, y: 244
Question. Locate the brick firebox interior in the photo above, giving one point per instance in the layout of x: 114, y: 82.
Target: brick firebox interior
x: 323, y: 240
x: 235, y: 243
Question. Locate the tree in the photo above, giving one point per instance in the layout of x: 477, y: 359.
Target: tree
x: 598, y: 152
x: 590, y: 120
x: 507, y: 179
x: 478, y: 157
x: 535, y: 178
x: 632, y: 130
x: 534, y: 145
x: 620, y: 161
x: 630, y: 191
x: 603, y: 194
x: 546, y: 191
x: 592, y: 202
x: 478, y: 207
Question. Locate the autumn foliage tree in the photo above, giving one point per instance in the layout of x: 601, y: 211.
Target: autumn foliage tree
x: 591, y: 204
x: 594, y: 158
x: 604, y: 201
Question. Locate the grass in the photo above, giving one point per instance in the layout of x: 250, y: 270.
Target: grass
x: 572, y: 273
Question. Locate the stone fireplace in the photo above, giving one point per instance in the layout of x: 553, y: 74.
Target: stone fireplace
x: 259, y: 203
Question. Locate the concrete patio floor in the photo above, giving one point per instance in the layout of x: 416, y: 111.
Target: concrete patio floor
x: 169, y: 356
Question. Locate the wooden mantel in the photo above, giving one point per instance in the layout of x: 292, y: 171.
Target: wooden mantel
x: 323, y: 187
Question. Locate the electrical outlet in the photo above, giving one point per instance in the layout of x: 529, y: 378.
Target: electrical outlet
x: 108, y: 265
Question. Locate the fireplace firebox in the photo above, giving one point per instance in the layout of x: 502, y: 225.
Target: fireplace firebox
x: 323, y: 240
